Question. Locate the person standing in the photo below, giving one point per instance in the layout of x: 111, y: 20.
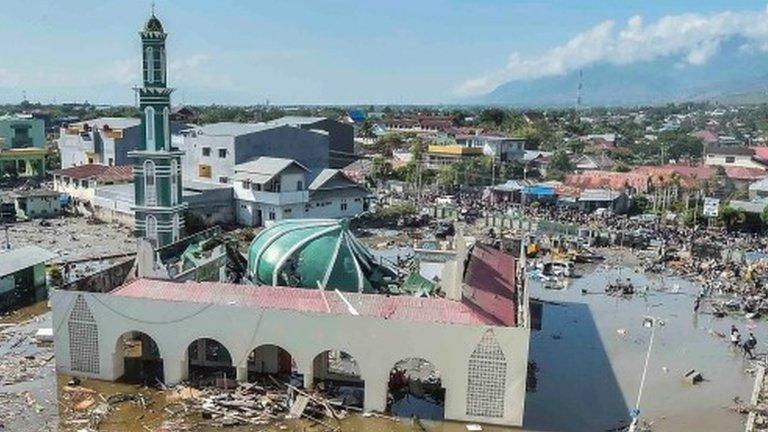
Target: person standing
x: 735, y: 336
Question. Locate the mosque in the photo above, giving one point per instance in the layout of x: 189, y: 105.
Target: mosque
x: 314, y: 300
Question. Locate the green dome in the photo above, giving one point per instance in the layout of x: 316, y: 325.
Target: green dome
x: 311, y: 253
x: 153, y: 25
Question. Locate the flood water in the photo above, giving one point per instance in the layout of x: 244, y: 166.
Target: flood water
x: 591, y: 351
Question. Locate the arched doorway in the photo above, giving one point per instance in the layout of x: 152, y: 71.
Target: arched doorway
x: 272, y: 361
x: 208, y: 360
x: 337, y: 374
x: 140, y: 354
x: 415, y: 388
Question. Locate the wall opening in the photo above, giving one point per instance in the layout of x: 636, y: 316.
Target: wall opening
x: 337, y: 374
x: 416, y: 389
x: 267, y: 361
x: 141, y: 359
x: 207, y: 361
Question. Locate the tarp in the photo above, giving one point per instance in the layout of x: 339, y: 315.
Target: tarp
x: 540, y: 190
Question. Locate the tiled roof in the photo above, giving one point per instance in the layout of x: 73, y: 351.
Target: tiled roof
x: 688, y: 175
x: 102, y: 173
x: 744, y: 173
x: 435, y: 310
x: 607, y: 179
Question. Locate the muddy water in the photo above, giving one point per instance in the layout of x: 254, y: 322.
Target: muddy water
x: 591, y: 350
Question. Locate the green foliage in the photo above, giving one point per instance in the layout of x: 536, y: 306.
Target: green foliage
x: 764, y: 215
x: 395, y: 211
x: 559, y: 165
x: 193, y: 223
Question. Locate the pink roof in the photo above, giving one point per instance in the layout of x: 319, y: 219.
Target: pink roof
x: 761, y: 153
x: 435, y: 310
x: 490, y: 277
x: 689, y: 175
x: 706, y: 136
x: 616, y: 181
x: 744, y: 173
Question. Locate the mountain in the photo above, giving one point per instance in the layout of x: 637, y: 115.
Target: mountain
x: 733, y: 75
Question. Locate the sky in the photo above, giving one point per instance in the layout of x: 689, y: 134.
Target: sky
x: 348, y: 51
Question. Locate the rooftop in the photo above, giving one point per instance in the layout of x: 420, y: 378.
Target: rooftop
x: 18, y: 259
x: 233, y: 128
x: 405, y: 308
x: 111, y: 122
x: 103, y: 173
x: 296, y: 120
x: 264, y: 168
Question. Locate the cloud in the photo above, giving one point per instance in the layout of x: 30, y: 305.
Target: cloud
x: 693, y: 38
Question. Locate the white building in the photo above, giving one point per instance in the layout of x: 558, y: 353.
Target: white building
x: 80, y: 182
x: 104, y: 141
x: 272, y: 189
x: 732, y: 156
x: 477, y: 344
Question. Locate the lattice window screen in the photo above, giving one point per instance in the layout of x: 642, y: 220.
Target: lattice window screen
x: 83, y: 339
x: 487, y: 378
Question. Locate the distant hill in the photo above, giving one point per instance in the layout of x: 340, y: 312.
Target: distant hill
x: 732, y: 76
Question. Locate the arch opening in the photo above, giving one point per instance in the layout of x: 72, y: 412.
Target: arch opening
x: 273, y: 361
x: 208, y: 361
x: 141, y: 360
x: 415, y: 389
x: 337, y: 374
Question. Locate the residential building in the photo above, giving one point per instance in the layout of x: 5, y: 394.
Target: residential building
x: 80, y: 182
x: 37, y: 204
x: 22, y: 276
x: 438, y: 156
x: 212, y: 151
x: 102, y: 141
x: 269, y: 189
x: 158, y: 207
x: 586, y: 162
x: 341, y: 137
x: 22, y: 146
x: 421, y: 123
x: 759, y: 189
x: 593, y: 199
x: 732, y: 156
x: 333, y: 194
x: 501, y: 148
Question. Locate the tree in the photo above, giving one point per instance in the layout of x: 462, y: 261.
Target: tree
x: 493, y: 115
x: 559, y: 165
x: 764, y: 215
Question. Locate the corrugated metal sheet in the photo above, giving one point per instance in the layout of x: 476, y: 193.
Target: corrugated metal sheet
x: 437, y: 310
x: 18, y: 259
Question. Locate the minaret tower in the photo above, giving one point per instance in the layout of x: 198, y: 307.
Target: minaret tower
x: 156, y: 165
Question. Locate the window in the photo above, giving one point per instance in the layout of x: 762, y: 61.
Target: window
x: 174, y: 182
x: 299, y: 185
x: 162, y: 65
x: 148, y: 61
x: 256, y: 186
x: 730, y: 159
x: 157, y: 68
x: 149, y: 125
x: 151, y: 229
x: 487, y: 376
x: 223, y: 180
x: 287, y: 211
x: 222, y: 153
x: 343, y: 206
x: 271, y: 215
x: 204, y: 171
x: 150, y: 188
x: 111, y: 162
x: 206, y: 151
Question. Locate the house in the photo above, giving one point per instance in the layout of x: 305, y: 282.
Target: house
x: 212, y: 151
x: 604, y: 141
x: 759, y: 189
x: 37, y: 204
x: 333, y: 194
x: 732, y: 156
x: 185, y: 115
x: 438, y: 156
x: 341, y: 136
x: 593, y: 199
x: 22, y: 276
x: 270, y: 189
x: 585, y: 162
x: 615, y: 181
x: 102, y: 141
x: 421, y: 123
x: 22, y: 146
x: 80, y: 182
x: 501, y: 148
